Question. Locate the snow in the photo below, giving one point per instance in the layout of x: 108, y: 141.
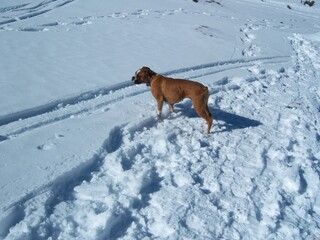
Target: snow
x: 84, y: 156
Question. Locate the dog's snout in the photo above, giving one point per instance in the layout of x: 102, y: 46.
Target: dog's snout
x: 133, y: 78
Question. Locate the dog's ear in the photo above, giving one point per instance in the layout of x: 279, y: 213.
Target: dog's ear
x: 145, y: 68
x: 151, y: 73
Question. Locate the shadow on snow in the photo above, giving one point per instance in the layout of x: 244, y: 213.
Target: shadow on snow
x: 231, y: 121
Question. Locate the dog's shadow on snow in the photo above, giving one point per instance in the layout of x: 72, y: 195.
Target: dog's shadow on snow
x: 230, y: 121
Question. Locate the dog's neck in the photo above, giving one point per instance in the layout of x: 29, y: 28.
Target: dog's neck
x: 152, y: 78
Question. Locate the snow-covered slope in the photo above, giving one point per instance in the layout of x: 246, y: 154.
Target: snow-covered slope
x: 83, y: 155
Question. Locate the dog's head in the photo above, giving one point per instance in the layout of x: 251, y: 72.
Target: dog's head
x: 143, y: 75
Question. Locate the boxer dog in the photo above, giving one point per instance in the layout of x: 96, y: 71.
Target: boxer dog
x: 172, y: 90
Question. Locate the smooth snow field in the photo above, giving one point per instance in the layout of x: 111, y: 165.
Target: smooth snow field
x: 83, y: 154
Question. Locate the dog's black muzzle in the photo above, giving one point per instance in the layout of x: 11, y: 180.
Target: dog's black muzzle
x: 134, y: 80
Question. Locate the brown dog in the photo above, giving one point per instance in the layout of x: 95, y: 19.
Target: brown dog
x: 172, y: 90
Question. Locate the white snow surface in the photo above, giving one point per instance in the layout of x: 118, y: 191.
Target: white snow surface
x: 83, y: 155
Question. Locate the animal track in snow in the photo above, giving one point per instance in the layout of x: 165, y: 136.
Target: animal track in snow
x: 58, y: 25
x: 208, y: 31
x: 247, y: 38
x: 51, y: 143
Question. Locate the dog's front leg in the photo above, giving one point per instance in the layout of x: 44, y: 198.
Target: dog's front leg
x: 171, y: 107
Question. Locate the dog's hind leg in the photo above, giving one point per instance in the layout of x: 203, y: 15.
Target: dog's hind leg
x: 209, y: 122
x: 201, y: 107
x: 206, y: 115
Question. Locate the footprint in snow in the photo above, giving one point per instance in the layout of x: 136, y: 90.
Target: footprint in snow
x: 51, y: 144
x: 47, y: 146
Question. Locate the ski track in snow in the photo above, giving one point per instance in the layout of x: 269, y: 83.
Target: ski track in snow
x: 30, y: 10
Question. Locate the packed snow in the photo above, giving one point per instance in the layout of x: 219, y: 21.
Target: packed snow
x: 84, y: 156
